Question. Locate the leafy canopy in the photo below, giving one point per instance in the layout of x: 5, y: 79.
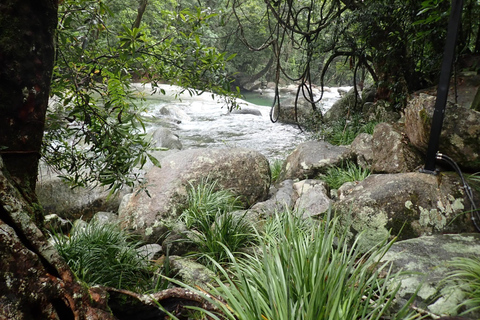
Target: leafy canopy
x: 94, y: 131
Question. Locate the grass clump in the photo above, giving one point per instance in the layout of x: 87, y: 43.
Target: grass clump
x: 103, y: 254
x: 344, y: 131
x: 306, y: 271
x: 335, y: 177
x: 216, y: 227
x: 276, y: 169
x: 467, y: 272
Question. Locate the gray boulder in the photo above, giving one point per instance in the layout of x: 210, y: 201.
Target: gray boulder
x: 426, y: 261
x: 245, y: 172
x: 244, y: 110
x: 392, y: 152
x: 165, y: 138
x: 362, y: 150
x: 311, y: 158
x: 460, y: 137
x: 339, y: 110
x: 380, y: 111
x: 191, y: 273
x: 57, y: 197
x: 282, y: 199
x: 408, y: 205
x: 312, y: 199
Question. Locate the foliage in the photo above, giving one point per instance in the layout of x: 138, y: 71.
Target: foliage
x: 467, y: 272
x: 216, y: 226
x: 276, y: 169
x: 307, y: 271
x: 335, y: 177
x: 94, y: 129
x: 474, y: 180
x: 103, y: 254
x: 343, y: 132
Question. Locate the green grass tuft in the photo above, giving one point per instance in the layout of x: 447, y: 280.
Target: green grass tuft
x: 335, y: 177
x: 216, y: 227
x: 467, y: 272
x: 276, y: 169
x: 307, y: 271
x: 103, y: 254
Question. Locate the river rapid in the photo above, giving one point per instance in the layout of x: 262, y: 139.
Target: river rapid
x: 204, y: 122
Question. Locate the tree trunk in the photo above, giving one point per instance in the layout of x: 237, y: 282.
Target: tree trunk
x: 141, y: 10
x: 35, y: 283
x: 26, y: 63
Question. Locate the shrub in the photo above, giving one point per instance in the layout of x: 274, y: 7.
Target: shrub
x: 103, y: 254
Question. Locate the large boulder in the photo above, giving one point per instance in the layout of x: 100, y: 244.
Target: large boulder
x: 392, y: 152
x: 245, y: 172
x: 426, y: 261
x: 312, y: 158
x: 407, y: 204
x: 165, y: 138
x: 362, y: 150
x: 460, y: 137
x: 57, y: 197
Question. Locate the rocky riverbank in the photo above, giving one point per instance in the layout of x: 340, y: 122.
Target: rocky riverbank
x: 432, y: 212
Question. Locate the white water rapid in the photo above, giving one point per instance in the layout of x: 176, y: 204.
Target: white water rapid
x: 202, y: 122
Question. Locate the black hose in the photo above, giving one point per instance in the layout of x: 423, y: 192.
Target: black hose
x: 468, y: 191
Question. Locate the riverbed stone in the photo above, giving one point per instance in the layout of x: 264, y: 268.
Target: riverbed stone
x: 165, y: 138
x: 362, y: 150
x: 406, y: 204
x: 282, y: 199
x: 392, y: 151
x: 426, y: 261
x: 57, y: 197
x: 460, y: 136
x: 312, y: 158
x: 246, y: 173
x: 191, y: 273
x: 312, y: 199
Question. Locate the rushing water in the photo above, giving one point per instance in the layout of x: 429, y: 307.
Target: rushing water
x: 202, y: 122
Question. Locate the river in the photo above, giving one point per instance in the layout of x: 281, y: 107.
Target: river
x: 203, y: 122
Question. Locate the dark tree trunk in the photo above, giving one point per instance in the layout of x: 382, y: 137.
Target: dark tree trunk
x: 35, y: 283
x: 141, y: 10
x: 27, y: 55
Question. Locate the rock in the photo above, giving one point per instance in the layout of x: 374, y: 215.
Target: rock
x: 283, y: 199
x: 244, y: 110
x: 408, y: 205
x: 341, y: 108
x: 312, y: 198
x: 245, y: 172
x: 460, y: 137
x: 362, y: 150
x: 380, y: 111
x: 303, y: 114
x: 311, y: 158
x: 175, y: 113
x: 105, y: 217
x: 56, y: 197
x: 150, y: 251
x: 178, y: 242
x: 392, y: 152
x: 191, y: 272
x: 425, y: 261
x: 164, y: 138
